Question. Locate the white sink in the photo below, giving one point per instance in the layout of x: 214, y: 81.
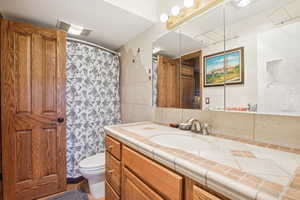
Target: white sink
x: 183, y: 142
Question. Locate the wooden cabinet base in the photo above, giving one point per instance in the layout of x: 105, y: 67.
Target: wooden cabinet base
x: 110, y: 194
x: 113, y: 172
x: 134, y: 189
x: 144, y: 179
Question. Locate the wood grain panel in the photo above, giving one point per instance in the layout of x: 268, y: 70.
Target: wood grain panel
x: 170, y: 186
x: 49, y: 72
x: 113, y: 172
x: 1, y: 191
x: 200, y: 6
x: 110, y: 194
x: 22, y: 60
x: 24, y: 155
x: 113, y: 147
x: 187, y: 71
x: 196, y: 191
x: 200, y: 194
x: 168, y: 82
x: 135, y: 189
x: 46, y: 49
x: 48, y: 150
x: 187, y: 87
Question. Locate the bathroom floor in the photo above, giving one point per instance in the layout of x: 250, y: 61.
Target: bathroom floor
x: 83, y: 185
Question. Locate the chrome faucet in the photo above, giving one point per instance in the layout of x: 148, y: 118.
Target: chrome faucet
x: 196, y: 126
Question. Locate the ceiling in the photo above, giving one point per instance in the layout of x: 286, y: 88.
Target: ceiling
x: 175, y: 44
x: 112, y: 25
x: 208, y: 29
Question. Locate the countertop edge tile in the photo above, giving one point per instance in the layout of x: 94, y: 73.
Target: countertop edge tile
x: 229, y: 188
x: 190, y: 170
x: 165, y: 158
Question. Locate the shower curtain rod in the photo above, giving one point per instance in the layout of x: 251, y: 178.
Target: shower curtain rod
x: 94, y: 45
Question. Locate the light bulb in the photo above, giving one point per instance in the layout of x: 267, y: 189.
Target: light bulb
x: 164, y: 18
x: 175, y: 10
x: 189, y: 3
x: 244, y: 3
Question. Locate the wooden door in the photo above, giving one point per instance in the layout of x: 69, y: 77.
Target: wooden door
x: 33, y: 111
x: 134, y: 189
x: 168, y: 82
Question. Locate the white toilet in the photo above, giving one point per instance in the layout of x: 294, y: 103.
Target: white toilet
x: 93, y: 169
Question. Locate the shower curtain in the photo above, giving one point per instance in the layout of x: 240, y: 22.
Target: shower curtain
x: 92, y: 99
x: 154, y: 81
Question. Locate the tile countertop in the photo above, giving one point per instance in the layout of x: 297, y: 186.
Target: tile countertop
x: 238, y: 169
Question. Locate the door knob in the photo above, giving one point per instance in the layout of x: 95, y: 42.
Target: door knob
x: 60, y: 120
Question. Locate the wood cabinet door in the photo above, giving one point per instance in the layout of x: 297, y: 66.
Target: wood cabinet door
x: 32, y: 110
x: 113, y: 172
x: 134, y: 189
x: 187, y: 85
x: 110, y: 194
x: 200, y: 194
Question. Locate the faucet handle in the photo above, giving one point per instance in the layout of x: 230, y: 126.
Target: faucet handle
x: 205, y: 129
x: 196, y: 126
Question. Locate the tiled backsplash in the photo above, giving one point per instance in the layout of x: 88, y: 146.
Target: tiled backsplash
x: 273, y: 129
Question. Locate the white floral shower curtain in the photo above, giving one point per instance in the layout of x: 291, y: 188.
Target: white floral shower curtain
x: 93, y: 101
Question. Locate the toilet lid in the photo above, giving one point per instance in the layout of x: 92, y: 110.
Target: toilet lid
x: 96, y: 161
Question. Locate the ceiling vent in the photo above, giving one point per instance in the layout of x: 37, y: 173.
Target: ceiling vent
x: 72, y: 28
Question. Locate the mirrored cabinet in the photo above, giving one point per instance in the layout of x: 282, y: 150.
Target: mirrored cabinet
x: 232, y: 58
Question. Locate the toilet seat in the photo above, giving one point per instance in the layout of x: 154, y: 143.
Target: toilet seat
x: 94, y: 162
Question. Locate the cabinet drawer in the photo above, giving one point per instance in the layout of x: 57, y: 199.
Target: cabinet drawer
x: 113, y: 146
x: 110, y: 194
x: 113, y: 172
x: 164, y: 181
x: 200, y: 194
x: 134, y: 189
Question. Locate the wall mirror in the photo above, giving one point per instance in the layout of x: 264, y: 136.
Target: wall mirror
x: 263, y: 43
x: 235, y: 57
x: 166, y: 67
x: 180, y: 53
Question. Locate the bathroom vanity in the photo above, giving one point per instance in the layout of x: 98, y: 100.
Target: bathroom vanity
x: 153, y: 161
x: 142, y: 178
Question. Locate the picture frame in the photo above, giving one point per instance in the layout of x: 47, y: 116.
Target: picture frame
x: 231, y: 60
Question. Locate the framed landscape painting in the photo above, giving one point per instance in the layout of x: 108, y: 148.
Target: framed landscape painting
x: 223, y: 68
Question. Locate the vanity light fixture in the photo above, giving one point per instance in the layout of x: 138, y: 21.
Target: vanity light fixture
x: 164, y: 18
x: 188, y: 3
x: 175, y: 10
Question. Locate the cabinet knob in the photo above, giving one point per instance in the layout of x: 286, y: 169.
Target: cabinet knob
x: 60, y: 120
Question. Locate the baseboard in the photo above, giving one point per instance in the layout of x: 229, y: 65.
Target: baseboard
x: 75, y: 180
